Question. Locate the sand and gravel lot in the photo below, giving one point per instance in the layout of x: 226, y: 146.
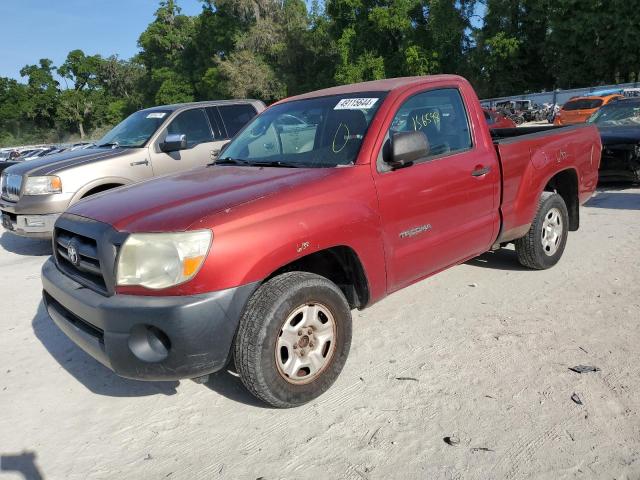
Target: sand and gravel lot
x: 479, y: 353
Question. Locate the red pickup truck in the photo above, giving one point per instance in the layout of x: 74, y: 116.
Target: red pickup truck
x: 324, y: 203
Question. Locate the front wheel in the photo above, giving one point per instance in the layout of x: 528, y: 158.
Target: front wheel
x: 293, y: 339
x: 544, y: 243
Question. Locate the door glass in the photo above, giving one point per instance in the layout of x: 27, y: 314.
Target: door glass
x: 440, y: 115
x: 236, y: 116
x: 194, y: 125
x: 214, y: 120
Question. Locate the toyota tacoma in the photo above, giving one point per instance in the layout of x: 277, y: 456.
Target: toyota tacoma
x: 324, y: 203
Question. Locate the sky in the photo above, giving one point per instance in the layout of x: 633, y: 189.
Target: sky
x: 35, y: 29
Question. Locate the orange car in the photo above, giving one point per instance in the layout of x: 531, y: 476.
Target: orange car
x: 579, y: 109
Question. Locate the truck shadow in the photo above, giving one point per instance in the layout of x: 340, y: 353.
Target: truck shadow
x: 93, y: 375
x: 614, y: 200
x: 25, y: 246
x: 23, y: 464
x: 229, y: 385
x: 503, y: 259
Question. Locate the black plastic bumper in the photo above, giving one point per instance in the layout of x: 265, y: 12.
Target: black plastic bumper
x: 146, y: 337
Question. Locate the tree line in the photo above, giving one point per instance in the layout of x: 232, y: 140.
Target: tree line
x: 269, y: 49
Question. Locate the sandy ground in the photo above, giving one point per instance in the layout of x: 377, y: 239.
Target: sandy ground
x: 480, y: 352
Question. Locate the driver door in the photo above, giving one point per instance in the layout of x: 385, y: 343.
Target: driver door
x: 201, y: 144
x: 442, y: 208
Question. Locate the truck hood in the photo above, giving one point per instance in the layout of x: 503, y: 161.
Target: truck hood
x: 51, y: 164
x: 175, y: 202
x: 619, y: 135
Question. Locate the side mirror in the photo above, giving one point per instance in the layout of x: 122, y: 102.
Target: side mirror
x: 407, y: 147
x: 223, y: 148
x: 174, y: 142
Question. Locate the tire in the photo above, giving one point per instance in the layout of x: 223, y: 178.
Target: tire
x: 543, y: 245
x: 294, y: 317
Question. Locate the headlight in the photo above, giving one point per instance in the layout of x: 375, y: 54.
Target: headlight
x: 161, y: 260
x: 42, y: 185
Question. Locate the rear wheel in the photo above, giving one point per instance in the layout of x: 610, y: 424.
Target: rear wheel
x: 544, y: 244
x: 293, y: 339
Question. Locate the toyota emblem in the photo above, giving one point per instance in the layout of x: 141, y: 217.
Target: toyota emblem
x: 72, y: 251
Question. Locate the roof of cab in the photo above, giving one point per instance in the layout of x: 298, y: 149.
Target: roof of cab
x: 208, y: 103
x: 385, y: 85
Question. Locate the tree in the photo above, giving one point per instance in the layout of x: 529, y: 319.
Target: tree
x: 76, y: 106
x: 593, y: 42
x: 510, y: 55
x: 389, y: 38
x: 78, y: 102
x: 42, y: 93
x: 163, y: 44
x: 13, y: 97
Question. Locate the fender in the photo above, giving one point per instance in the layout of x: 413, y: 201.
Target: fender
x: 97, y: 183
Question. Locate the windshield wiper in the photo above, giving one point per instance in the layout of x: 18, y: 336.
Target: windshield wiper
x: 276, y: 163
x: 109, y: 144
x: 229, y: 161
x: 263, y: 163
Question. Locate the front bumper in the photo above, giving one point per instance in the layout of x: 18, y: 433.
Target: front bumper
x: 33, y: 226
x: 33, y: 215
x: 147, y: 337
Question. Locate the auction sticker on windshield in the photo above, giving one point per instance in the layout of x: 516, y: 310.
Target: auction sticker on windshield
x: 156, y: 115
x: 355, y: 103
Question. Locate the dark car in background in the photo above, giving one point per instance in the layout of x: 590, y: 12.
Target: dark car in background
x: 619, y: 125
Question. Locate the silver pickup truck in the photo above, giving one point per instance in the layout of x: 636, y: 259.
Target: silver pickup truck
x: 148, y: 143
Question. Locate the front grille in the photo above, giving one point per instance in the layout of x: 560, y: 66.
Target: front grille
x: 86, y: 250
x: 10, y: 186
x: 78, y: 256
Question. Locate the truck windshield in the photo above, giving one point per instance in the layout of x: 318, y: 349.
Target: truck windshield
x: 316, y: 132
x: 135, y: 130
x: 617, y: 115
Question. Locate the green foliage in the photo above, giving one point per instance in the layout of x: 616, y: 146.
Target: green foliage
x: 269, y: 49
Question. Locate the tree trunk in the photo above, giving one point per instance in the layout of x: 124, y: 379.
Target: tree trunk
x: 81, y: 128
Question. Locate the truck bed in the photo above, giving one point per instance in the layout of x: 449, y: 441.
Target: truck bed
x: 503, y: 135
x: 530, y: 157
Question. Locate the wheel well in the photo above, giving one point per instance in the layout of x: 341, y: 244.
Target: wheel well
x: 101, y: 188
x: 342, y: 266
x: 565, y: 184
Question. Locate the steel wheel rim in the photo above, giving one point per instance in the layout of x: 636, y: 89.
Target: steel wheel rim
x: 306, y: 343
x: 551, y: 235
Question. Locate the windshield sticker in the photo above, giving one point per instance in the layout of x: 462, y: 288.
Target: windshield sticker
x: 156, y: 115
x: 355, y: 104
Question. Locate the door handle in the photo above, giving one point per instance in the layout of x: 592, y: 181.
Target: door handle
x: 143, y: 162
x: 480, y: 171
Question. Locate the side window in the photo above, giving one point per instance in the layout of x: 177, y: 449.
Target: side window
x: 193, y: 124
x: 236, y: 116
x: 440, y: 115
x: 216, y: 123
